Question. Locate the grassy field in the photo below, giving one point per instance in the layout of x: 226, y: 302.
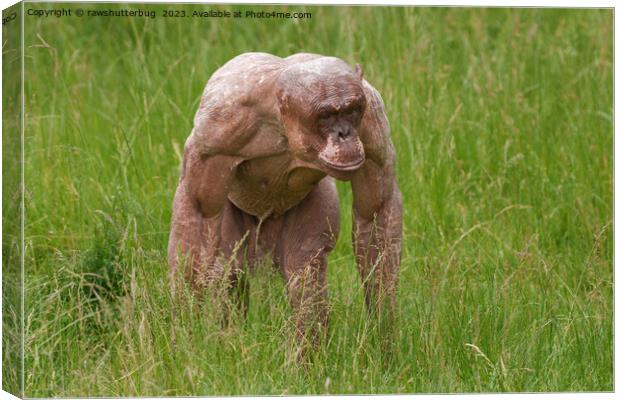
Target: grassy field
x: 502, y: 123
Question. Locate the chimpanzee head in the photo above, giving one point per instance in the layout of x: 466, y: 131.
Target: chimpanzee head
x: 321, y: 104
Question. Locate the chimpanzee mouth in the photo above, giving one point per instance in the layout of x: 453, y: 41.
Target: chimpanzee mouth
x: 352, y: 166
x: 345, y: 156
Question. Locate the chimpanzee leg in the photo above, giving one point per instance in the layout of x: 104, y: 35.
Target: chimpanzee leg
x: 309, y: 232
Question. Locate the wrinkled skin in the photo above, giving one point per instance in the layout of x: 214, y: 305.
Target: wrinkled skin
x: 257, y: 181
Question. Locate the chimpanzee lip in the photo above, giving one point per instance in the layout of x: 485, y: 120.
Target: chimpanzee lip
x: 344, y: 167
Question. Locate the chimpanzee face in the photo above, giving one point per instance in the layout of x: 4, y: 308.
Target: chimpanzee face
x: 321, y: 116
x: 337, y: 123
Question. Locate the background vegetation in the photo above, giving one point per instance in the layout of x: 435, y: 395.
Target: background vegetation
x: 502, y: 121
x: 11, y: 202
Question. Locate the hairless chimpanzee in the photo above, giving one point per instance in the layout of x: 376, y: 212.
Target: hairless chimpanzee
x: 269, y: 136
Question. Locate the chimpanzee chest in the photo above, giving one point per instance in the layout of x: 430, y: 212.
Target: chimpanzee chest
x: 272, y: 185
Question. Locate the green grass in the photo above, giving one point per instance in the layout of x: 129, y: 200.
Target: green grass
x: 502, y: 123
x: 11, y: 203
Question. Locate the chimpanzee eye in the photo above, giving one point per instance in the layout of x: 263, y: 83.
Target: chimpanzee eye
x: 355, y: 114
x: 324, y: 114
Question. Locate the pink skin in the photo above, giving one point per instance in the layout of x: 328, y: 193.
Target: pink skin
x: 269, y: 136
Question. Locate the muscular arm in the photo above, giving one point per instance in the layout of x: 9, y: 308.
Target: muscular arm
x: 377, y: 211
x: 222, y: 129
x: 377, y: 230
x: 197, y: 214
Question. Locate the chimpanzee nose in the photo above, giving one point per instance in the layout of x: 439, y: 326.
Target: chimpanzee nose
x: 342, y: 132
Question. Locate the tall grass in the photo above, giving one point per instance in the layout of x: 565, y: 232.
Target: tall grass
x: 502, y: 123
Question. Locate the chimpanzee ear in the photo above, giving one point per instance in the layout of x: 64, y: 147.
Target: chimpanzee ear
x: 359, y: 72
